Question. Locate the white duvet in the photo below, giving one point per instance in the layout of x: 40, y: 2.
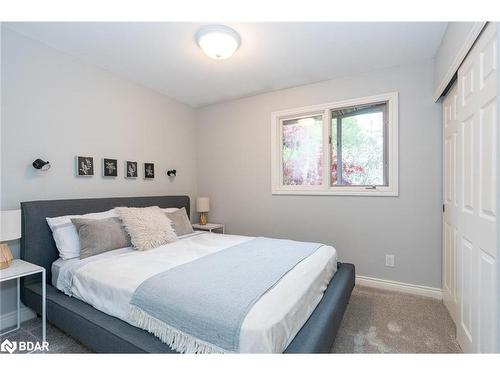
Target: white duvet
x: 107, y: 282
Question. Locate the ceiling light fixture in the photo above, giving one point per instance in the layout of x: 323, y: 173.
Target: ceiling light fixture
x: 217, y: 41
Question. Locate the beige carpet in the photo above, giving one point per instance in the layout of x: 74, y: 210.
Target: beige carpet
x: 378, y: 321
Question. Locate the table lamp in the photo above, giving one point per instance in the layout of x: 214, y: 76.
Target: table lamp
x: 10, y: 229
x: 203, y: 206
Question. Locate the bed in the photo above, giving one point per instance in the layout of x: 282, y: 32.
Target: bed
x: 106, y: 329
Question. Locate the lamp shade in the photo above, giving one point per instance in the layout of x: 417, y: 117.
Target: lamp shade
x: 202, y: 204
x: 10, y: 225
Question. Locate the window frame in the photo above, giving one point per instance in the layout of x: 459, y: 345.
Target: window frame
x: 325, y: 110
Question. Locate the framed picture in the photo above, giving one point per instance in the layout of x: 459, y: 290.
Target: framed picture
x: 84, y: 166
x: 130, y: 169
x: 109, y: 167
x: 149, y: 170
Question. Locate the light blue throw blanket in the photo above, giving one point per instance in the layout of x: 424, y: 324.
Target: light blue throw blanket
x: 199, y: 307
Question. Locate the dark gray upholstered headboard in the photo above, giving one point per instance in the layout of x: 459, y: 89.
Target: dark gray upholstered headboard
x: 37, y: 243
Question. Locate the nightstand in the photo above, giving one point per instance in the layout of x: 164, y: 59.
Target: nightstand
x: 209, y: 227
x: 20, y: 268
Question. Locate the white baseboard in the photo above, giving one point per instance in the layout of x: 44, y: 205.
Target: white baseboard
x: 397, y: 286
x: 9, y: 320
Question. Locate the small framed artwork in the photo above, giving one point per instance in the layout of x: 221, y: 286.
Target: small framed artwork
x: 130, y: 169
x: 149, y: 170
x: 85, y: 166
x: 109, y: 167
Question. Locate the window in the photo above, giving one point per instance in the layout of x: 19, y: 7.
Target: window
x: 344, y: 148
x: 358, y: 146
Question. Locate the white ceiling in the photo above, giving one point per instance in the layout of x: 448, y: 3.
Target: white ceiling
x: 272, y: 56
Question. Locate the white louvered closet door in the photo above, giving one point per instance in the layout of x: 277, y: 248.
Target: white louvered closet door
x: 470, y: 197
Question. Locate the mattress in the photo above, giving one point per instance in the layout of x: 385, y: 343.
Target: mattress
x: 56, y: 266
x: 108, y: 280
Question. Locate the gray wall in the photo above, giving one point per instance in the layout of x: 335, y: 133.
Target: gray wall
x: 453, y: 41
x: 55, y: 107
x: 234, y: 171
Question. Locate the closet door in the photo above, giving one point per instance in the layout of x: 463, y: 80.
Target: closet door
x: 451, y: 206
x: 476, y: 212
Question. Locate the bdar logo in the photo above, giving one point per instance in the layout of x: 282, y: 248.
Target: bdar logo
x: 8, y: 346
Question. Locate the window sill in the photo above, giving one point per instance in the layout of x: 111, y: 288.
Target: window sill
x: 378, y: 192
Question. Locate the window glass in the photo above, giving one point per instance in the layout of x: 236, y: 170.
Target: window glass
x: 358, y: 146
x: 302, y: 151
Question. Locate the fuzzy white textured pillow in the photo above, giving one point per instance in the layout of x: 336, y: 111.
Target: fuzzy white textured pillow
x: 148, y: 227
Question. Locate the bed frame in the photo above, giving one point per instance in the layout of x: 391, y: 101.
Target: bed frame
x: 105, y: 334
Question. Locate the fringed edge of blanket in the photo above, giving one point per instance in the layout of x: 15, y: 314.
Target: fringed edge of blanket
x: 176, y: 339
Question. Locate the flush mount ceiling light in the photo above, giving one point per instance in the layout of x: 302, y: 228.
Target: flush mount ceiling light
x: 217, y: 41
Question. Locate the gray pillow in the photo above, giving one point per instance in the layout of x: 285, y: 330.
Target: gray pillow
x: 180, y: 222
x: 99, y: 236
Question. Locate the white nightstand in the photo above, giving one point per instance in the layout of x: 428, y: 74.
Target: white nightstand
x: 209, y: 227
x: 19, y: 268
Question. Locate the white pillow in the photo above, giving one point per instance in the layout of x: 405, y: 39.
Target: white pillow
x: 148, y: 227
x: 169, y: 210
x: 65, y: 234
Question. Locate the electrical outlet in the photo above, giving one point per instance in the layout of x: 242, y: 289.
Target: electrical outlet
x: 389, y: 260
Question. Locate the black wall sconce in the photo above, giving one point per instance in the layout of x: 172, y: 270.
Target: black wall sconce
x: 172, y: 173
x: 41, y: 164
